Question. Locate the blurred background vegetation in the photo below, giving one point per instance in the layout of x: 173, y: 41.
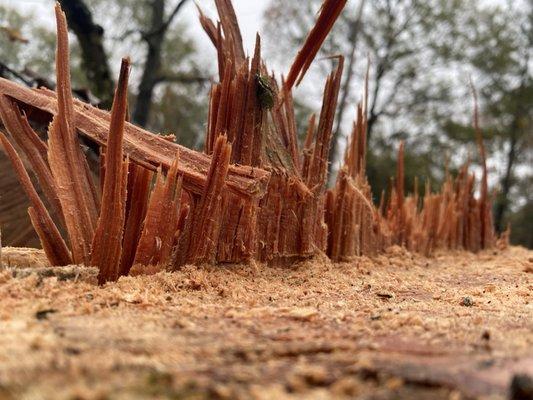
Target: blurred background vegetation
x: 422, y: 54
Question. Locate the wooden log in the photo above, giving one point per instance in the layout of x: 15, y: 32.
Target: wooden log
x: 142, y: 147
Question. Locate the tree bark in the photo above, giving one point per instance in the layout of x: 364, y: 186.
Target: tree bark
x: 502, y: 203
x: 154, y: 39
x: 95, y: 62
x: 152, y: 65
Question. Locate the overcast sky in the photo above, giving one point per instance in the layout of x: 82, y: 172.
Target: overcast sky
x: 249, y: 13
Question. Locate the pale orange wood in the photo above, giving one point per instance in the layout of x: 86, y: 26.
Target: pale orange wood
x: 67, y: 161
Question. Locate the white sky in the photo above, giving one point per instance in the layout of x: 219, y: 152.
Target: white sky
x: 249, y: 13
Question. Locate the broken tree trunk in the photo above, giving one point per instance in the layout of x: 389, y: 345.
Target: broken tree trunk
x: 142, y: 147
x: 252, y: 195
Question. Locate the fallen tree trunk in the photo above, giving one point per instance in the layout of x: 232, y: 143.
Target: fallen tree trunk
x: 143, y: 147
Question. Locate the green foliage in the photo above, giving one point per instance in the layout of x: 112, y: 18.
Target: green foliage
x: 498, y: 49
x: 9, y: 50
x: 181, y: 111
x: 419, y: 166
x: 401, y: 39
x: 179, y: 104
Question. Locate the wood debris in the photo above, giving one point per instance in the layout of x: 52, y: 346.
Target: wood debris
x: 51, y: 240
x: 254, y: 194
x: 142, y: 147
x: 161, y: 220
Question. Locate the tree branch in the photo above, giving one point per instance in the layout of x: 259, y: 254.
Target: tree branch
x: 173, y: 14
x: 182, y: 78
x: 384, y: 65
x: 5, y: 68
x: 152, y: 65
x: 156, y: 31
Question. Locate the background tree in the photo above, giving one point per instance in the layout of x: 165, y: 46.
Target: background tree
x: 422, y: 54
x: 95, y: 63
x: 26, y: 48
x: 401, y: 40
x: 500, y: 56
x: 147, y: 26
x: 164, y: 58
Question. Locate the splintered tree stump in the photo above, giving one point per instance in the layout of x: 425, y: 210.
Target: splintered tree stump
x: 254, y: 193
x: 245, y: 105
x: 361, y: 312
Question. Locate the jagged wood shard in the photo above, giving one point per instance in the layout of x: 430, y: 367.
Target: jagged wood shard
x: 33, y: 148
x: 69, y: 168
x: 206, y: 221
x: 138, y: 191
x: 107, y: 240
x: 161, y: 222
x: 329, y: 12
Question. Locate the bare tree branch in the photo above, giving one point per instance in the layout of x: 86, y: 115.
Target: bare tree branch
x: 173, y: 14
x: 5, y: 69
x: 385, y: 63
x: 163, y: 27
x: 182, y: 78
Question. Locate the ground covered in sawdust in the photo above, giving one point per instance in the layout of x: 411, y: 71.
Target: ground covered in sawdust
x: 396, y: 326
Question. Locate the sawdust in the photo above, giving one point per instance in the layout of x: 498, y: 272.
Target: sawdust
x: 395, y: 326
x: 23, y: 258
